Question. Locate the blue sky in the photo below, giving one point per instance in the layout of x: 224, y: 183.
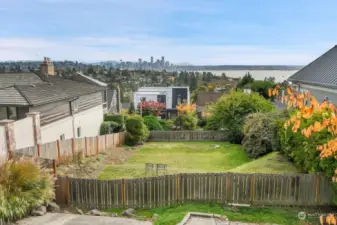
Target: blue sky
x: 194, y: 31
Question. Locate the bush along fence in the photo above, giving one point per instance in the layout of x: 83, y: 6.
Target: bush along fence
x: 224, y: 188
x: 199, y: 135
x: 64, y: 151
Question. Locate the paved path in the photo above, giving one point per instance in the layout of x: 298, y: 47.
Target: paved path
x: 72, y: 219
x: 197, y: 220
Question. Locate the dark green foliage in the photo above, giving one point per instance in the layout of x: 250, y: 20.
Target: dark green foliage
x: 152, y: 123
x: 137, y: 130
x: 132, y: 108
x: 262, y: 87
x: 115, y: 118
x: 246, y: 79
x: 109, y: 127
x: 230, y: 112
x: 260, y: 134
x: 186, y: 122
x: 202, y: 122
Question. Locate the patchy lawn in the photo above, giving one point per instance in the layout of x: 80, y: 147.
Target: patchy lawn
x: 272, y: 163
x: 174, y: 214
x: 193, y: 157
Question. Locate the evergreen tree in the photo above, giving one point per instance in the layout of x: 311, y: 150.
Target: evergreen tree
x: 132, y: 108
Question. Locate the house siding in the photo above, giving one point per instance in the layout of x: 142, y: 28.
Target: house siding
x: 3, y: 143
x: 24, y: 133
x: 53, y: 111
x: 86, y: 102
x: 52, y: 131
x: 89, y: 121
x: 320, y: 93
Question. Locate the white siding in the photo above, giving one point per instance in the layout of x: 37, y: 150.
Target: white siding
x: 3, y: 143
x: 52, y: 132
x: 24, y: 133
x: 90, y: 122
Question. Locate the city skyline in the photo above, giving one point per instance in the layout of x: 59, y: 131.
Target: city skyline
x: 198, y: 32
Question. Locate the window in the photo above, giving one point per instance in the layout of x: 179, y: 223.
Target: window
x: 179, y: 99
x: 161, y: 98
x: 8, y: 113
x: 78, y: 131
x: 62, y: 137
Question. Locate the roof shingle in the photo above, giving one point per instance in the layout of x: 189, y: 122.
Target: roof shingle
x: 9, y: 79
x: 322, y: 71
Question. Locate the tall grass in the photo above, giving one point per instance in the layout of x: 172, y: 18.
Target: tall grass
x: 24, y: 185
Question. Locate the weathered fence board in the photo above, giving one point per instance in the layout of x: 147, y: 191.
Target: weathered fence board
x: 225, y: 188
x: 199, y: 135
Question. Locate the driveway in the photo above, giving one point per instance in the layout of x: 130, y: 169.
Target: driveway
x: 72, y: 219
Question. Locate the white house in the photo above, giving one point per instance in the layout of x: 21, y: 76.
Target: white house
x: 171, y: 96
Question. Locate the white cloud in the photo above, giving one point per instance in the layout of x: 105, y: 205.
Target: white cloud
x: 175, y: 50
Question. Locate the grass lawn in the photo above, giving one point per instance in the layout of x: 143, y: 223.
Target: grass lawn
x: 196, y: 157
x: 174, y: 214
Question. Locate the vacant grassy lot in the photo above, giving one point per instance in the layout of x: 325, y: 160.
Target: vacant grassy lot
x: 196, y: 157
x: 174, y: 214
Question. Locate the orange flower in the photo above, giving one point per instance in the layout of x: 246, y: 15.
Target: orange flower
x: 318, y: 127
x: 270, y: 92
x: 307, y: 111
x: 314, y: 102
x: 290, y: 92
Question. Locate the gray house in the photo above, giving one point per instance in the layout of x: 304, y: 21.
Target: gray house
x: 319, y: 77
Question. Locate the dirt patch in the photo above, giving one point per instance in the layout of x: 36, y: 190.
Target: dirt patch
x: 91, y: 167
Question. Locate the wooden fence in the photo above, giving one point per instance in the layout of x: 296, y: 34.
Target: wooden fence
x: 199, y: 135
x: 66, y: 150
x: 225, y: 188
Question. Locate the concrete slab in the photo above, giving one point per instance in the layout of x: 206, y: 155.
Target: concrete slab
x: 72, y: 219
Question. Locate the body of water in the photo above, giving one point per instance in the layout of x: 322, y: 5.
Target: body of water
x: 280, y: 75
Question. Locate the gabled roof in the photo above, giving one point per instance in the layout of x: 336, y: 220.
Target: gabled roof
x: 86, y: 79
x: 48, y: 89
x: 9, y: 79
x: 320, y: 72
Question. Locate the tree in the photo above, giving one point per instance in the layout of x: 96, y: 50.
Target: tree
x: 230, y: 112
x: 246, y: 79
x: 151, y: 108
x: 262, y: 87
x: 223, y: 76
x: 193, y: 82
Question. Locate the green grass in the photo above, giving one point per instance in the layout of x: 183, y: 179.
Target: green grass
x: 181, y: 157
x: 174, y: 214
x: 196, y: 157
x: 272, y: 163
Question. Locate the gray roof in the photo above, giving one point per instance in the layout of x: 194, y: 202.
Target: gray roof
x: 83, y: 78
x: 52, y: 89
x: 11, y: 96
x: 320, y: 72
x: 9, y: 79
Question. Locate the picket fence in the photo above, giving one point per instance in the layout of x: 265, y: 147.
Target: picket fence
x: 198, y: 135
x: 224, y: 188
x: 63, y: 151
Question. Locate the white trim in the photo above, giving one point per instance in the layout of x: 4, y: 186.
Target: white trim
x: 305, y: 86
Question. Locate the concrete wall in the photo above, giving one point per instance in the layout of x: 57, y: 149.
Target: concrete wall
x: 24, y: 133
x: 89, y: 122
x: 53, y: 131
x: 3, y: 143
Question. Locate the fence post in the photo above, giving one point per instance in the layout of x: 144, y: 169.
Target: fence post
x: 106, y: 143
x: 86, y: 146
x: 123, y: 193
x: 318, y: 186
x: 177, y: 187
x: 97, y: 145
x: 58, y: 151
x: 252, y: 191
x: 228, y: 187
x: 38, y: 150
x: 67, y: 191
x: 54, y: 167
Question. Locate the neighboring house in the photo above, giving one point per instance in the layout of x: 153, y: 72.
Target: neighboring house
x: 206, y: 98
x: 110, y: 98
x: 171, y: 96
x: 67, y: 108
x: 319, y: 77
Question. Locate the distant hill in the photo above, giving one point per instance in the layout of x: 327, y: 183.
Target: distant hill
x: 240, y: 67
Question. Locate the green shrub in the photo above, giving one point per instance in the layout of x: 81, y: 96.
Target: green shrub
x: 167, y: 124
x: 137, y: 130
x: 24, y: 185
x: 202, y: 122
x: 303, y: 151
x: 260, y: 134
x: 109, y: 127
x: 115, y: 118
x: 152, y: 123
x: 230, y: 112
x: 186, y: 122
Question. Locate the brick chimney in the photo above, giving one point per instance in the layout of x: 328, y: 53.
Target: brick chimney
x: 47, y: 67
